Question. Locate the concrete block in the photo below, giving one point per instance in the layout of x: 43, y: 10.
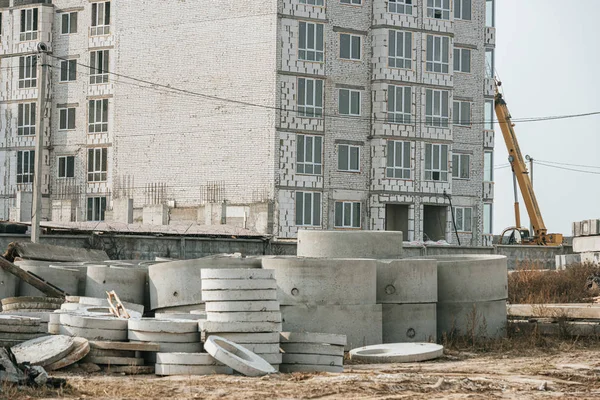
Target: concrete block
x: 123, y: 210
x: 350, y: 244
x: 170, y: 347
x: 323, y: 281
x: 482, y: 319
x: 186, y: 359
x: 594, y: 227
x: 407, y: 281
x: 179, y: 283
x: 586, y: 244
x: 576, y: 227
x: 253, y: 316
x: 156, y: 214
x: 591, y: 257
x: 261, y: 348
x: 565, y: 260
x: 409, y: 323
x: 240, y: 306
x: 362, y: 324
x: 9, y: 284
x: 271, y: 358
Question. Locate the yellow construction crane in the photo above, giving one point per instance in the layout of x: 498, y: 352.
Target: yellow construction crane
x: 518, y: 234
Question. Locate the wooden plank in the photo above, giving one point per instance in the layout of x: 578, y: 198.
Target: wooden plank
x: 569, y: 311
x: 45, y: 287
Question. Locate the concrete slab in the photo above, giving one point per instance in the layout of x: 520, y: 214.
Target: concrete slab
x: 407, y: 281
x: 44, y: 316
x: 323, y: 281
x: 93, y: 322
x: 141, y: 336
x: 113, y: 360
x: 350, y: 244
x: 239, y: 295
x: 80, y: 350
x: 261, y: 348
x: 239, y: 284
x: 292, y: 368
x: 44, y: 350
x: 313, y: 338
x: 362, y: 324
x: 591, y: 257
x: 166, y: 326
x: 241, y: 306
x: 111, y: 353
x: 18, y: 320
x: 409, y: 323
x: 250, y: 327
x: 236, y: 273
x: 397, y: 353
x: 179, y: 283
x: 32, y: 299
x: 483, y: 319
x: 94, y: 334
x: 308, y: 348
x: 169, y: 369
x: 237, y: 357
x: 252, y: 316
x: 130, y: 370
x: 271, y: 358
x: 21, y: 336
x: 249, y: 338
x: 22, y: 329
x: 128, y: 346
x: 30, y: 307
x: 186, y: 359
x: 178, y: 316
x: 569, y: 311
x: 585, y: 244
x: 313, y: 359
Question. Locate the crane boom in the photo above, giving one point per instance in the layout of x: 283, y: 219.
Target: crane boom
x: 540, y: 233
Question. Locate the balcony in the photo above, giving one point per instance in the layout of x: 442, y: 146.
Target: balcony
x: 490, y: 36
x: 488, y: 139
x: 488, y: 190
x: 489, y: 87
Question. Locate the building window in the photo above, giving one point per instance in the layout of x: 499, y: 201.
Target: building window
x: 26, y: 120
x: 66, y: 119
x: 29, y: 24
x: 308, y: 209
x: 312, y: 2
x: 398, y: 160
x: 353, y: 2
x: 68, y: 70
x: 309, y: 154
x: 310, y: 97
x: 99, y: 66
x: 349, y: 102
x: 96, y: 207
x: 399, y: 104
x: 489, y: 13
x: 400, y: 49
x: 97, y: 164
x: 487, y: 218
x: 27, y: 72
x: 436, y: 162
x: 69, y: 23
x: 437, y: 54
x: 461, y: 165
x: 462, y: 9
x: 310, y: 46
x: 350, y: 46
x: 462, y: 60
x: 436, y: 108
x: 488, y: 166
x: 66, y: 167
x: 488, y: 123
x: 347, y: 214
x: 348, y: 158
x: 400, y: 6
x: 100, y: 18
x: 439, y: 9
x: 25, y: 166
x: 0, y: 24
x: 461, y: 113
x: 98, y: 116
x: 489, y: 63
x: 462, y: 219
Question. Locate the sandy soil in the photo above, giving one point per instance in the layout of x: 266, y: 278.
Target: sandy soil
x: 458, y: 375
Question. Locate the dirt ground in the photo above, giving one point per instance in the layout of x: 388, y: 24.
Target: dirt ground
x: 570, y: 370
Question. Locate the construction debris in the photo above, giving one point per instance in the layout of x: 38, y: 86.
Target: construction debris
x: 23, y: 374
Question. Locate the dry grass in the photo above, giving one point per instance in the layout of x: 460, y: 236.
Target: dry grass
x: 534, y: 286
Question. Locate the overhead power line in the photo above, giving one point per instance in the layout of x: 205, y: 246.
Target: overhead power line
x: 567, y: 169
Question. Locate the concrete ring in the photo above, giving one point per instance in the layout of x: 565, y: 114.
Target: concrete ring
x: 236, y: 357
x: 397, y: 353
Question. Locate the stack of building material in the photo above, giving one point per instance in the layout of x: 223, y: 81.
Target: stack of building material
x: 312, y: 352
x: 242, y: 306
x: 172, y: 336
x: 81, y: 303
x: 44, y: 351
x: 31, y: 304
x: 176, y: 286
x: 586, y: 244
x: 330, y: 295
x: 16, y: 329
x: 408, y: 292
x: 93, y: 326
x: 189, y: 364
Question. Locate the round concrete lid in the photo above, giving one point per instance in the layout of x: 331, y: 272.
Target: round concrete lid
x: 397, y: 353
x: 44, y: 350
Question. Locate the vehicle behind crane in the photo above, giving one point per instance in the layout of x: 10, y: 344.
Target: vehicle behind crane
x: 518, y: 234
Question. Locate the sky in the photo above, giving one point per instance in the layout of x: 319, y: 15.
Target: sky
x: 548, y: 58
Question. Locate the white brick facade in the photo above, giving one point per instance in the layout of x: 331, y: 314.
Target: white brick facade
x: 188, y: 148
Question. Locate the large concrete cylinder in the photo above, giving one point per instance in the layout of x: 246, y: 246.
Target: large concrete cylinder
x: 81, y: 274
x: 409, y: 323
x: 472, y: 293
x: 178, y: 283
x: 407, y: 281
x: 66, y: 279
x: 350, y: 244
x: 129, y: 283
x: 322, y: 281
x: 9, y: 284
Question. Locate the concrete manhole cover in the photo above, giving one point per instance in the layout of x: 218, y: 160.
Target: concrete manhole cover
x: 44, y: 350
x: 397, y: 353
